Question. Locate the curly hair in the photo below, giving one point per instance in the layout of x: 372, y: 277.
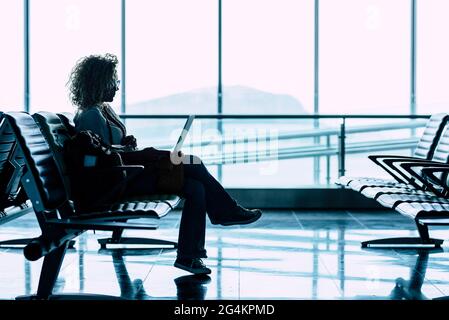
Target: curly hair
x: 91, y: 78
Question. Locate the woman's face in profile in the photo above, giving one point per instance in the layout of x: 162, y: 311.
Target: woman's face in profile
x: 112, y: 88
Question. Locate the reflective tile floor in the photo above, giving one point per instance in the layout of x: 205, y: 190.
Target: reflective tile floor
x: 285, y: 255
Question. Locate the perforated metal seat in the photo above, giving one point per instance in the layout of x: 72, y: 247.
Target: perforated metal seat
x: 359, y: 185
x: 375, y: 192
x: 392, y: 200
x: 425, y: 210
x: 131, y: 210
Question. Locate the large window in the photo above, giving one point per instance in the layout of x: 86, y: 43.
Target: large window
x: 268, y: 60
x: 268, y: 67
x: 365, y: 56
x: 61, y: 32
x: 432, y: 56
x: 268, y: 56
x: 172, y: 56
x: 11, y: 61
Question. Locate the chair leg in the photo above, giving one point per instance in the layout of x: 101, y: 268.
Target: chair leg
x: 49, y: 273
x: 424, y: 241
x: 423, y: 231
x: 117, y: 235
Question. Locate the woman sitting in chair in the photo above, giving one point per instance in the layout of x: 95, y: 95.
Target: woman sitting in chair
x: 93, y: 84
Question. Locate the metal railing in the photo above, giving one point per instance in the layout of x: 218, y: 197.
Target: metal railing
x: 322, y: 145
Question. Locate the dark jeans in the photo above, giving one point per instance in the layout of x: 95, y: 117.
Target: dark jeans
x: 203, y: 194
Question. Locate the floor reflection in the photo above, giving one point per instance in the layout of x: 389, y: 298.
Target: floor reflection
x: 188, y: 287
x: 192, y: 287
x: 129, y: 289
x: 411, y: 289
x: 285, y: 255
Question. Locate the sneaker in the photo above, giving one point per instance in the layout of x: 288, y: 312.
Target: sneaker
x: 194, y: 265
x: 243, y: 216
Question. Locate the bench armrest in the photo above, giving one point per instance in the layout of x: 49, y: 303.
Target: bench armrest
x: 386, y: 163
x: 411, y: 167
x: 409, y: 178
x: 378, y: 157
x: 430, y: 172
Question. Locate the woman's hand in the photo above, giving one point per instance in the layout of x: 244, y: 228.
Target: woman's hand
x: 130, y: 142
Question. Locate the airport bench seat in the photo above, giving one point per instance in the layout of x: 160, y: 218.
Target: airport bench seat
x: 421, y: 195
x: 58, y: 128
x: 58, y: 222
x: 13, y: 200
x: 392, y: 200
x: 424, y: 150
x: 424, y: 210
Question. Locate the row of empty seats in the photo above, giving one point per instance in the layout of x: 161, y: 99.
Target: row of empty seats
x: 40, y: 178
x: 419, y: 187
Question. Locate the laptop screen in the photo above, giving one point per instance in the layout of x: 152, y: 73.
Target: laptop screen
x: 184, y: 133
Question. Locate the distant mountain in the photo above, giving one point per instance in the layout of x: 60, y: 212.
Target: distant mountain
x: 236, y: 99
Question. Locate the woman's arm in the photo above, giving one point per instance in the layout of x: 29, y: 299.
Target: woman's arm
x: 93, y: 120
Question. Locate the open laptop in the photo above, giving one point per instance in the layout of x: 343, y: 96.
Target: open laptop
x: 90, y: 161
x: 184, y: 133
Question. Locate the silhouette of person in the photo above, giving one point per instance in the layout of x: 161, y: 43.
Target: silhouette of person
x: 93, y: 84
